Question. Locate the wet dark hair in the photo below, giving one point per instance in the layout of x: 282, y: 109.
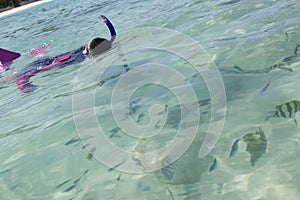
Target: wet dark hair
x: 97, y: 46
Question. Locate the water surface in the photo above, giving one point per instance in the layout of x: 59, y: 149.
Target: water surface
x: 43, y: 158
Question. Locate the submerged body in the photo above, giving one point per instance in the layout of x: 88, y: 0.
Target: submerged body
x: 94, y: 48
x: 45, y: 64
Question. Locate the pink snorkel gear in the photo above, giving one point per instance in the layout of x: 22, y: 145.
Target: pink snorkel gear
x: 39, y: 52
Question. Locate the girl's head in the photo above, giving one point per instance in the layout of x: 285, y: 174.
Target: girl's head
x: 97, y: 46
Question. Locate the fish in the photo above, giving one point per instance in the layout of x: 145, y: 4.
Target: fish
x: 135, y: 101
x: 229, y: 2
x: 70, y: 188
x: 278, y: 65
x: 143, y: 187
x: 116, y: 166
x: 174, y: 116
x: 5, y: 171
x: 285, y: 61
x: 203, y: 102
x: 234, y: 148
x: 91, y: 153
x: 169, y: 171
x: 166, y: 108
x: 250, y: 71
x: 171, y: 194
x: 133, y: 109
x: 256, y: 145
x: 238, y: 68
x: 73, y: 140
x: 76, y: 181
x: 89, y: 156
x: 118, y: 178
x: 86, y: 171
x: 63, y: 183
x: 287, y: 36
x: 140, y: 117
x: 213, y: 166
x: 126, y: 67
x: 287, y: 110
x: 137, y: 161
x: 296, y: 49
x: 264, y: 89
x: 289, y: 58
x: 114, y: 131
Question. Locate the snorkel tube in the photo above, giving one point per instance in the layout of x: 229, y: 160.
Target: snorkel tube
x: 111, y: 28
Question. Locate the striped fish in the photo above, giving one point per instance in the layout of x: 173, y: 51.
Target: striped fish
x: 287, y: 109
x: 256, y: 145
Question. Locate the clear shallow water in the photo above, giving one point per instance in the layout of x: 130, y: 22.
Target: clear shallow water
x: 42, y: 157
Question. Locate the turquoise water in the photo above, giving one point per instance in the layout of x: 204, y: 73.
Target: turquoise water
x: 42, y: 156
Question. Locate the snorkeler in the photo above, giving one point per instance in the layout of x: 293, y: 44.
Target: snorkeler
x: 94, y: 48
